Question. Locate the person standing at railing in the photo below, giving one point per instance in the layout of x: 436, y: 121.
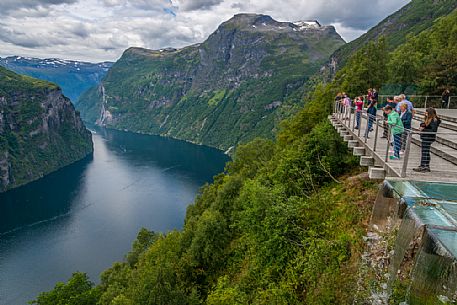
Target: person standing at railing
x: 347, y: 103
x: 389, y: 102
x: 358, y: 110
x: 375, y: 95
x: 445, y: 98
x: 403, y: 100
x: 369, y: 94
x: 396, y: 128
x: 406, y: 118
x: 428, y: 129
x: 372, y: 109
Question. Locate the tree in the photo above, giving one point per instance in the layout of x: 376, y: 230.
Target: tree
x: 77, y: 291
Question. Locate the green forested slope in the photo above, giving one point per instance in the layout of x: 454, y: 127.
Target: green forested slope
x: 283, y: 224
x: 424, y: 64
x: 39, y: 130
x: 238, y: 84
x: 275, y: 229
x: 413, y: 18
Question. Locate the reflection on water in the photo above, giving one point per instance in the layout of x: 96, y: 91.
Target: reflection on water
x: 85, y: 216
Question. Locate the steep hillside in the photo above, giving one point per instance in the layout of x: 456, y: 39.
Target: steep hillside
x: 74, y: 77
x: 412, y: 19
x: 235, y: 86
x: 39, y: 130
x: 284, y: 225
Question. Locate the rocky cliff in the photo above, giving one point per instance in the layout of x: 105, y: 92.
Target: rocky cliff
x: 236, y: 85
x: 40, y: 131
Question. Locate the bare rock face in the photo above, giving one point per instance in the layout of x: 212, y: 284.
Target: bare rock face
x: 40, y: 131
x: 236, y: 85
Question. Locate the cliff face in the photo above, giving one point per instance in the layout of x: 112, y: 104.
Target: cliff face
x: 40, y: 131
x: 236, y: 85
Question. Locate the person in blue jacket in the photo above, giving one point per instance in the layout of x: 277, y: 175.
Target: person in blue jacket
x: 406, y: 117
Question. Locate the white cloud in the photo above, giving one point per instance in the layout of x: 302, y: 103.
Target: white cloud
x: 97, y: 30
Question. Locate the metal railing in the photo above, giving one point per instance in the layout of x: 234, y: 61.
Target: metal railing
x: 425, y: 101
x: 402, y: 151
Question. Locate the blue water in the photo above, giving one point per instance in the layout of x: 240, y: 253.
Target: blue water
x: 85, y: 216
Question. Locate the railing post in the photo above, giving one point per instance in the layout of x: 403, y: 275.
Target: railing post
x: 360, y: 123
x: 350, y: 116
x: 406, y: 155
x: 367, y: 130
x: 449, y: 102
x: 426, y: 99
x: 354, y: 118
x: 388, y: 142
x: 376, y: 134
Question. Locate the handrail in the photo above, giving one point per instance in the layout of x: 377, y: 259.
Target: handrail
x: 424, y: 101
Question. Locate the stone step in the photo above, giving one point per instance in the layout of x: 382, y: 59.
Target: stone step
x: 358, y: 151
x: 347, y: 138
x: 366, y: 161
x: 444, y: 124
x: 439, y: 151
x: 376, y: 172
x: 441, y: 140
x: 442, y: 116
x: 353, y: 143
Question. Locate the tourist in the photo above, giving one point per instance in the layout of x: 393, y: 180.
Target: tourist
x: 397, y: 100
x: 445, y: 98
x: 375, y: 95
x: 428, y: 130
x: 372, y: 110
x: 369, y: 95
x: 396, y: 127
x: 358, y: 110
x: 403, y: 100
x: 347, y: 103
x: 406, y: 118
x: 389, y: 102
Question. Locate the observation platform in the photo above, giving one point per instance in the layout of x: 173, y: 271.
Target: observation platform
x: 374, y: 149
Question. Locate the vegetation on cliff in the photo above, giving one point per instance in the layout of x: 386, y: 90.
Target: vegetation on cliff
x: 283, y: 224
x: 276, y: 228
x: 412, y: 19
x: 237, y: 85
x: 424, y: 64
x: 40, y: 131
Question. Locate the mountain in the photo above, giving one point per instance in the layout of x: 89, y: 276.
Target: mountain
x: 233, y: 87
x: 288, y: 221
x: 40, y: 131
x: 410, y: 20
x: 74, y: 77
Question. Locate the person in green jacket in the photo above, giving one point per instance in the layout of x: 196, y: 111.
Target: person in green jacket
x: 396, y: 129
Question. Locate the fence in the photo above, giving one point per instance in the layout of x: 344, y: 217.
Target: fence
x: 425, y: 101
x: 400, y: 152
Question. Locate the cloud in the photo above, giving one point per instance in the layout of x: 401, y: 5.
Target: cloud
x: 7, y: 6
x: 194, y: 5
x: 98, y: 30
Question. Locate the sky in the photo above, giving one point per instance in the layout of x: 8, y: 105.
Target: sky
x: 100, y: 30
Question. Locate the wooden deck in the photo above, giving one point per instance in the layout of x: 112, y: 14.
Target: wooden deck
x: 444, y: 151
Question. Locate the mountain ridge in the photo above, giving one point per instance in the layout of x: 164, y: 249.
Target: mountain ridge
x: 74, y: 77
x: 213, y: 93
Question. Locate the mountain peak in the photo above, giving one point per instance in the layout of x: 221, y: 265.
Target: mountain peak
x: 259, y: 22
